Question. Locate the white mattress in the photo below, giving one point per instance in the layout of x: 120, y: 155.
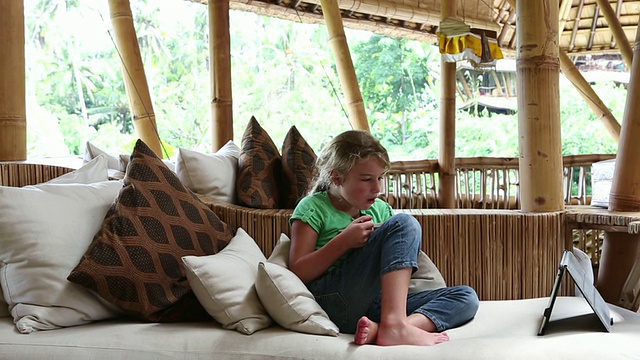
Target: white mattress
x: 501, y: 330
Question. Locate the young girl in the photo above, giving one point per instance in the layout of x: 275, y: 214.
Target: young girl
x: 359, y: 276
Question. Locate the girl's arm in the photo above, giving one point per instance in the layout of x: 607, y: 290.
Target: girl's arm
x: 307, y: 262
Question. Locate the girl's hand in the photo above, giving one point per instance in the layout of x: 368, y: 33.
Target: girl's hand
x: 358, y: 232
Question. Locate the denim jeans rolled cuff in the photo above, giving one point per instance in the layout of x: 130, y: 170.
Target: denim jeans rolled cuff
x: 400, y: 265
x: 447, y: 307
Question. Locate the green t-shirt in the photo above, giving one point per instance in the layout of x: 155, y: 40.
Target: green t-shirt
x: 318, y: 211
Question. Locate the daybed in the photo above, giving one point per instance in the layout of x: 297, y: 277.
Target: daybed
x: 502, y: 329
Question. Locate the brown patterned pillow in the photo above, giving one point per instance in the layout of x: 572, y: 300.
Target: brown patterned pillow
x: 259, y: 169
x: 134, y: 260
x: 298, y: 167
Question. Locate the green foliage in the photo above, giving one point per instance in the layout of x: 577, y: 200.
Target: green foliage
x: 283, y: 73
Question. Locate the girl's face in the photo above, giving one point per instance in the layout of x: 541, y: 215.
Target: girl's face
x: 360, y: 186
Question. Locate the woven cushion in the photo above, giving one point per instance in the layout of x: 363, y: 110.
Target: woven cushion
x: 259, y: 169
x: 134, y: 260
x: 298, y: 166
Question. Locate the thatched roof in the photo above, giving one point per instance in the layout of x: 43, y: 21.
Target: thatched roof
x: 585, y: 29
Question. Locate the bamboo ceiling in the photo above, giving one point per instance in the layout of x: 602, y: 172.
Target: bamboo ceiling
x: 584, y: 28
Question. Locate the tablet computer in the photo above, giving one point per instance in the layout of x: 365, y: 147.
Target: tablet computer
x: 569, y: 264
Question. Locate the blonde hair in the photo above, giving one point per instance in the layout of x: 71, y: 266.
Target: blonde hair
x: 342, y: 153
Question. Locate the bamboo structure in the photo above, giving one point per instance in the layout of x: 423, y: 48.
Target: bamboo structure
x: 590, y: 96
x: 13, y: 107
x: 617, y: 31
x: 344, y: 64
x: 620, y: 250
x: 220, y: 73
x: 539, y: 108
x: 135, y: 80
x: 447, y: 146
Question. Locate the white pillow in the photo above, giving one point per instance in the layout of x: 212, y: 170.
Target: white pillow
x: 93, y: 171
x: 224, y: 284
x: 91, y: 152
x: 290, y: 303
x: 44, y: 231
x: 286, y: 297
x: 212, y: 175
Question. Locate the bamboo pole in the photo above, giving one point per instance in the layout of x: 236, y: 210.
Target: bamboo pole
x: 590, y: 96
x: 465, y: 85
x: 135, y: 80
x: 344, y: 64
x: 620, y: 251
x: 220, y: 74
x: 494, y: 74
x: 13, y: 107
x: 616, y: 29
x: 447, y: 146
x: 538, y: 106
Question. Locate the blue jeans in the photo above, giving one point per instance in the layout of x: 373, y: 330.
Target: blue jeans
x: 353, y: 288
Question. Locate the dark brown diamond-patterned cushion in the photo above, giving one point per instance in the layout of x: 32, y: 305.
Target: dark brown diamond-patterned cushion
x: 298, y: 167
x: 259, y: 169
x: 134, y: 260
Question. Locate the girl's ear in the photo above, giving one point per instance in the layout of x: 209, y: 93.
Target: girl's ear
x: 336, y: 179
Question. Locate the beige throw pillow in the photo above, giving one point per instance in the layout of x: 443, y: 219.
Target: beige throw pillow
x: 224, y: 284
x: 212, y: 175
x: 44, y: 230
x: 286, y: 297
x: 94, y: 170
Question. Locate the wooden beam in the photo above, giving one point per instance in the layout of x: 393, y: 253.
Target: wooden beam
x: 447, y: 145
x: 616, y: 30
x: 538, y: 106
x: 620, y: 251
x: 576, y: 25
x: 135, y: 80
x: 13, y: 107
x: 344, y: 64
x: 590, y: 96
x: 221, y: 103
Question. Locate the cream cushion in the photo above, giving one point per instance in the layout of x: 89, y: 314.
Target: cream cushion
x: 290, y: 303
x: 94, y: 170
x: 224, y: 284
x: 91, y: 152
x: 44, y: 230
x: 212, y: 175
x: 501, y: 330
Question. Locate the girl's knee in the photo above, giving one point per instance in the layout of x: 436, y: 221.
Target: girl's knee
x: 469, y: 296
x: 407, y: 222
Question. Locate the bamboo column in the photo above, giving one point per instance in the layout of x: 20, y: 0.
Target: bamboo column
x: 617, y: 31
x: 344, y: 64
x: 13, y: 107
x: 540, y: 164
x: 447, y: 146
x: 590, y: 96
x: 620, y: 250
x: 135, y: 80
x: 220, y: 73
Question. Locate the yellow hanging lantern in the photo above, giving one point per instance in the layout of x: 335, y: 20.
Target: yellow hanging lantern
x: 459, y: 42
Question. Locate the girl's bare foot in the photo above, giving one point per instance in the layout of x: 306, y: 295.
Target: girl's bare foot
x: 366, y: 331
x: 403, y: 333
